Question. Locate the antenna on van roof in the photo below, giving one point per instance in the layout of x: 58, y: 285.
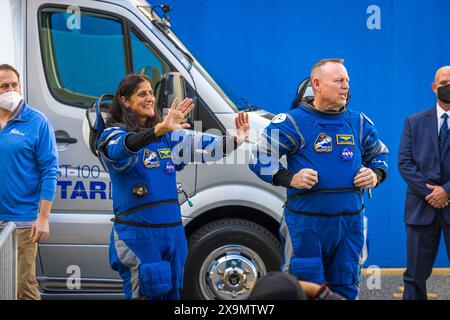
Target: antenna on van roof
x: 165, y: 22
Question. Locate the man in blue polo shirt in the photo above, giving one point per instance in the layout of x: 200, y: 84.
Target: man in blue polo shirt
x: 29, y: 164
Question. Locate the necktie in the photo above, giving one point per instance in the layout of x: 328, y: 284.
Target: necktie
x: 443, y: 132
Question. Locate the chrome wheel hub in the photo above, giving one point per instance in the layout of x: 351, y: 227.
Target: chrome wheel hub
x: 230, y: 272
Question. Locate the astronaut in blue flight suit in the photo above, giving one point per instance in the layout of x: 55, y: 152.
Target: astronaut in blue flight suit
x: 142, y: 153
x: 332, y: 155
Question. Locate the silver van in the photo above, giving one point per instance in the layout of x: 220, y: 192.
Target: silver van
x: 70, y: 52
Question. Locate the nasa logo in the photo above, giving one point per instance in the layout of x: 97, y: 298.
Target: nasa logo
x: 347, y: 154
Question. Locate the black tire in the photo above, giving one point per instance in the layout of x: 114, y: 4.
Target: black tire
x: 218, y: 234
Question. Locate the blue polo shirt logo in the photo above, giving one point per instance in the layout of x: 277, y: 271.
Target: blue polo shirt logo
x: 17, y: 132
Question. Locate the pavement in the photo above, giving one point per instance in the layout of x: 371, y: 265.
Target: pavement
x: 387, y: 284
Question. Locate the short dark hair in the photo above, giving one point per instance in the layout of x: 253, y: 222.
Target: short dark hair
x: 321, y: 62
x: 119, y: 114
x: 7, y: 67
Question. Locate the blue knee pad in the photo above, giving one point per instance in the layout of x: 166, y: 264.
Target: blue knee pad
x: 155, y: 279
x: 344, y: 279
x: 308, y: 269
x: 344, y: 273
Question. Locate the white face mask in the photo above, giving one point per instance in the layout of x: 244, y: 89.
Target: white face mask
x: 10, y: 100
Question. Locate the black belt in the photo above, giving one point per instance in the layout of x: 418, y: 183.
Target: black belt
x: 322, y: 214
x: 329, y: 190
x: 117, y: 217
x: 148, y: 225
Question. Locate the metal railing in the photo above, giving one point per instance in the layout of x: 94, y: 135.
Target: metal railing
x: 8, y: 262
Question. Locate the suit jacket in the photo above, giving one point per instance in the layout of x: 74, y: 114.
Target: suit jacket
x: 421, y: 162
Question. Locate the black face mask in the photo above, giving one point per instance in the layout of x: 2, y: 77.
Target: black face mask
x: 444, y: 93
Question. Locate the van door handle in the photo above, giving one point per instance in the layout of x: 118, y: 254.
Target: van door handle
x: 63, y: 137
x: 66, y: 140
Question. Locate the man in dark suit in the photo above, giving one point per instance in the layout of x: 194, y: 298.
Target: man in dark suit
x: 424, y: 163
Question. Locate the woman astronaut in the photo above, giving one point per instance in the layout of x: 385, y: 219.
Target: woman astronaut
x: 142, y: 153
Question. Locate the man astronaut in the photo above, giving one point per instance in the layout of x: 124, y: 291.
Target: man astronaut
x: 333, y: 154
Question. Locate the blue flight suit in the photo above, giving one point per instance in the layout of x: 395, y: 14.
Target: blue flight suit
x: 322, y: 228
x: 148, y: 245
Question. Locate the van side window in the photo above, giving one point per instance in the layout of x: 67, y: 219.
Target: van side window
x: 82, y: 59
x: 146, y: 60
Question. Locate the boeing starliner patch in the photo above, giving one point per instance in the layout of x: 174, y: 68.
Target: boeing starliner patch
x: 150, y: 159
x: 323, y: 143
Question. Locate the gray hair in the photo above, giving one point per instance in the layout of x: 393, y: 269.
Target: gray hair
x: 322, y: 62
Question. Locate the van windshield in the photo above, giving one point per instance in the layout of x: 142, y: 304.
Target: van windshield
x: 234, y: 101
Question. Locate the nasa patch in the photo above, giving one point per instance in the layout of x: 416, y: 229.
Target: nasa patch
x: 150, y: 159
x: 279, y: 118
x: 323, y: 143
x: 170, y: 168
x: 347, y: 154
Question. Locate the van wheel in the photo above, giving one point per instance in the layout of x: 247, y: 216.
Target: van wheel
x: 227, y: 257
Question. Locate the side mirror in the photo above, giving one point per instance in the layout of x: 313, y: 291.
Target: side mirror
x: 171, y: 86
